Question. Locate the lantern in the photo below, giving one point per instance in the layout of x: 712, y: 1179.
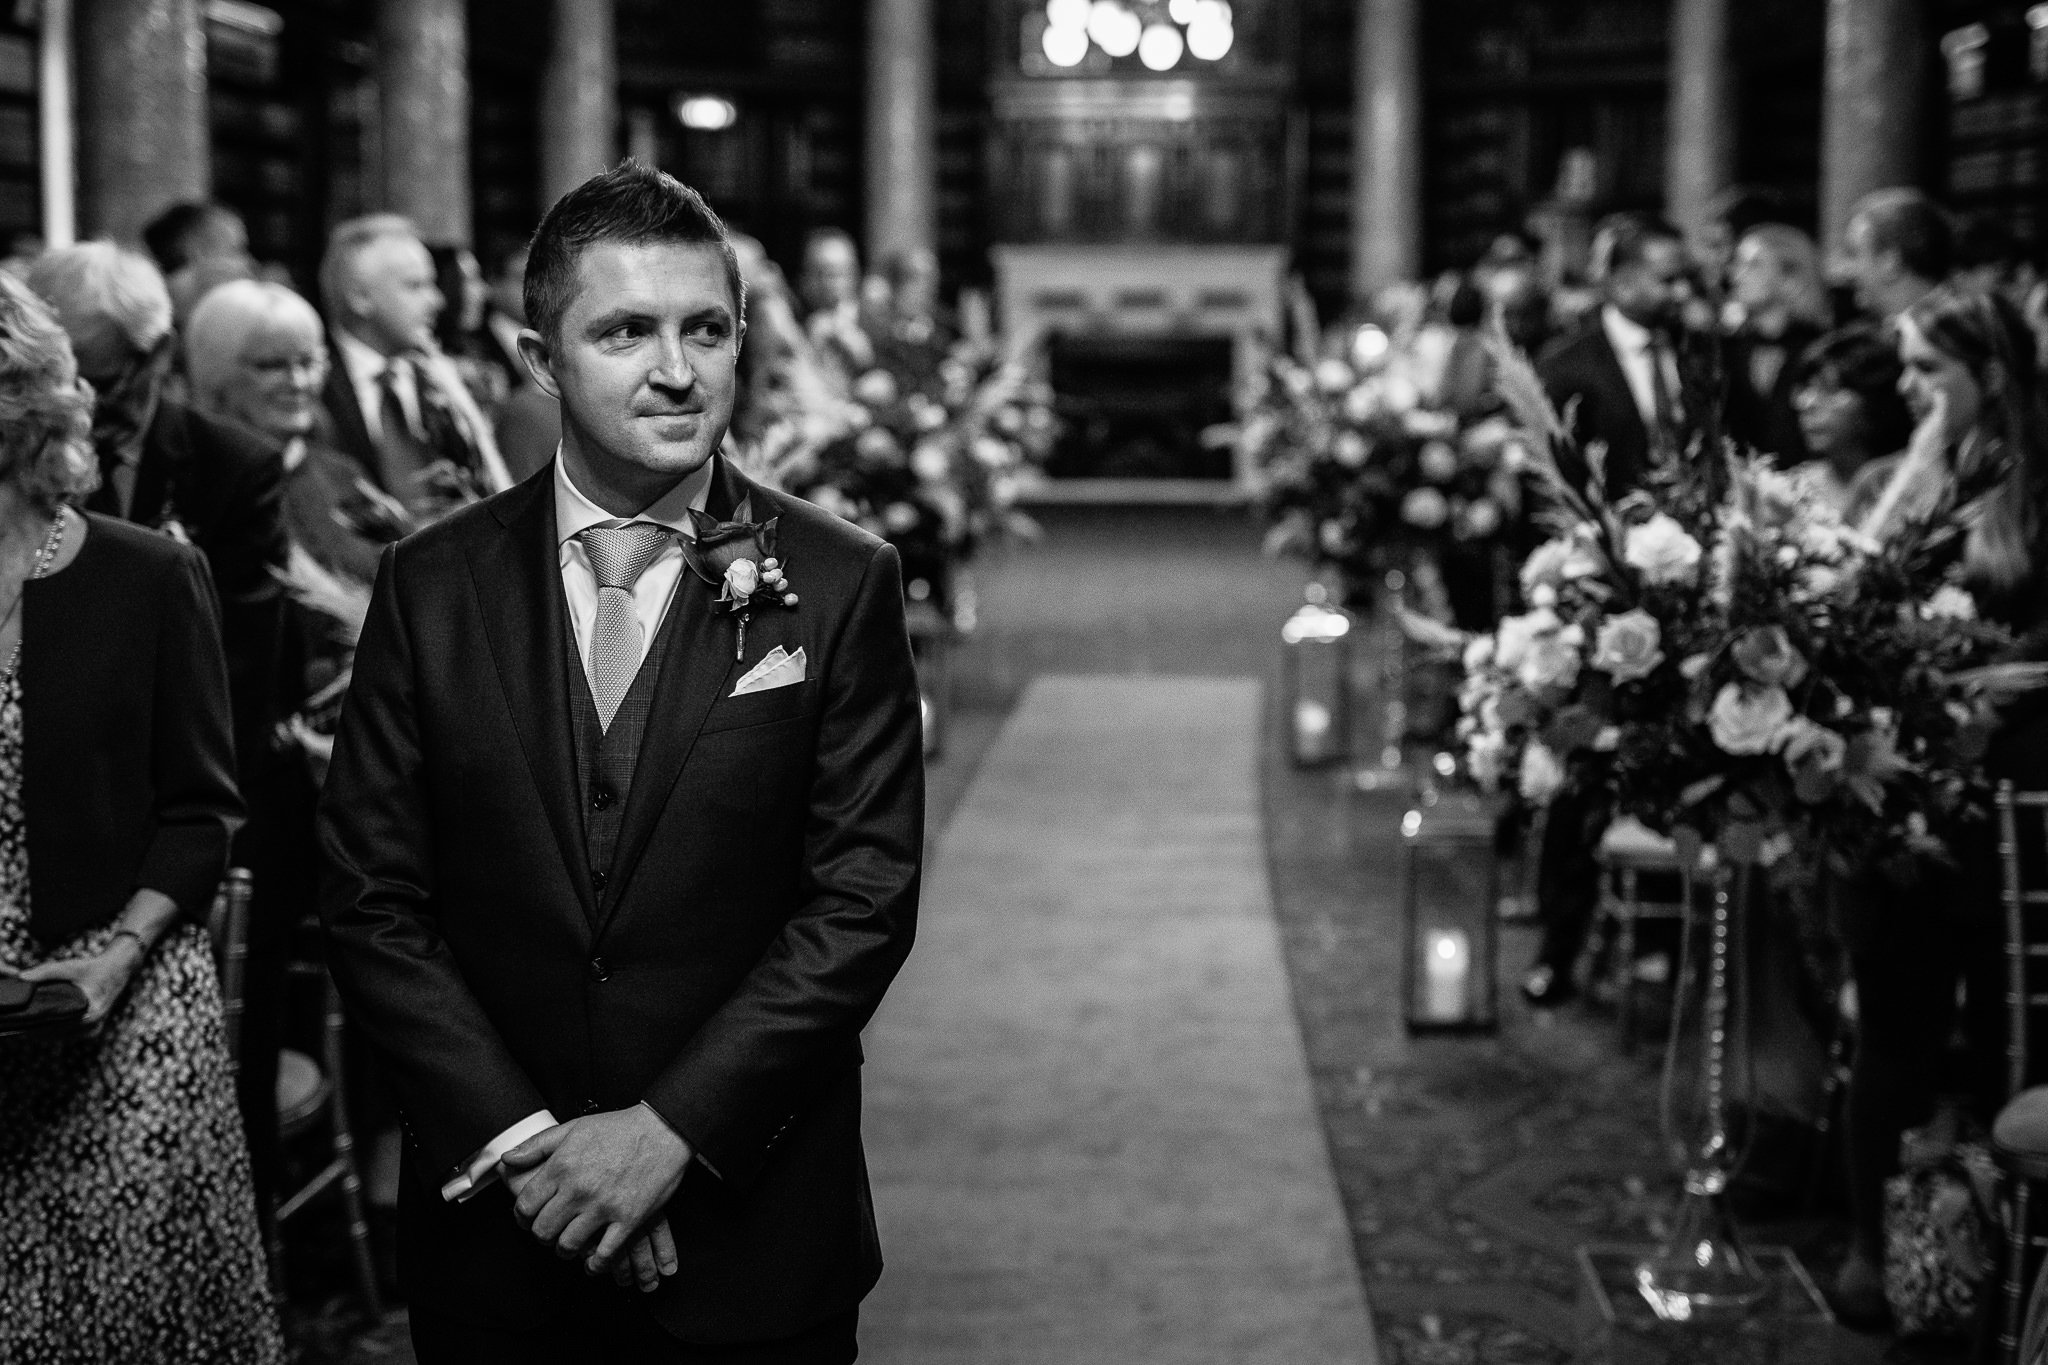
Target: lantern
x: 1450, y: 885
x: 1315, y: 680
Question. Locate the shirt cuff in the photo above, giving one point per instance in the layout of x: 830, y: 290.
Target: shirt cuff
x: 480, y: 1172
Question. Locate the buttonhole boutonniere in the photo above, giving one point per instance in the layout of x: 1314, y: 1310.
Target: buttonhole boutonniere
x: 738, y: 559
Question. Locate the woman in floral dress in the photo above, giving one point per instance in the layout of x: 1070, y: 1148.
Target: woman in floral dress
x: 127, y: 1224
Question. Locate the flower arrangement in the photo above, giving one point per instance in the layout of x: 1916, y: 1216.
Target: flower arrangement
x: 931, y: 458
x: 1739, y: 666
x: 1358, y: 476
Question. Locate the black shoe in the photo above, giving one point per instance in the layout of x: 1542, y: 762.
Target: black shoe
x: 1546, y: 986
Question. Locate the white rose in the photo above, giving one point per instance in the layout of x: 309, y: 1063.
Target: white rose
x: 1749, y: 720
x: 1425, y: 508
x: 1949, y: 603
x: 930, y: 462
x: 1350, y: 449
x: 742, y: 578
x: 1334, y: 376
x: 877, y: 388
x: 1517, y: 633
x: 1628, y: 646
x: 1482, y: 518
x: 1552, y: 660
x: 1478, y: 653
x: 1485, y: 757
x: 899, y: 517
x: 1542, y: 775
x: 1438, y: 461
x: 1662, y: 551
x: 1362, y: 403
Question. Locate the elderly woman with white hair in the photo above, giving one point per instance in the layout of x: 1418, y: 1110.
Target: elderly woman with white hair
x: 256, y: 354
x: 129, y: 1230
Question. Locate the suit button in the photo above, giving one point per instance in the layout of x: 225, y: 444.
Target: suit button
x: 589, y: 1108
x: 597, y: 880
x: 602, y: 798
x: 598, y: 971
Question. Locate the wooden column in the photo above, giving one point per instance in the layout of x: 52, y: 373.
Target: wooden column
x: 902, y: 135
x: 1870, y: 117
x: 1386, y: 156
x: 579, y: 101
x: 423, y: 100
x: 1700, y: 142
x: 143, y: 141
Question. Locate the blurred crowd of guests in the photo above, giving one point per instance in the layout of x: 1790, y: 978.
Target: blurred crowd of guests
x: 1906, y: 390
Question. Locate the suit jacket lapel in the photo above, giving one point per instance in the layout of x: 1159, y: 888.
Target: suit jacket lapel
x: 517, y: 577
x: 351, y: 433
x: 697, y: 670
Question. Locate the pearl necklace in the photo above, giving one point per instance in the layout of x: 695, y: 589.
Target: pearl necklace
x: 45, y: 557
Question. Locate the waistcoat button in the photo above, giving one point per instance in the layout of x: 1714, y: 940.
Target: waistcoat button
x: 598, y: 971
x: 602, y: 798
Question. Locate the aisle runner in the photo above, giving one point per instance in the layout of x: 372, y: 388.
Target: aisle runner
x: 1089, y: 1119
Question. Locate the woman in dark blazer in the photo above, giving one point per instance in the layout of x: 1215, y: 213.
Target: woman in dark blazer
x: 130, y: 1227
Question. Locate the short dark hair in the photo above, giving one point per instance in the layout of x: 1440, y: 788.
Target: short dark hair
x: 1908, y: 222
x: 1865, y: 362
x: 171, y: 234
x: 1632, y: 234
x: 630, y: 203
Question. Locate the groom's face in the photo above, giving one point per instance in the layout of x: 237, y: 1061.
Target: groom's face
x: 646, y: 359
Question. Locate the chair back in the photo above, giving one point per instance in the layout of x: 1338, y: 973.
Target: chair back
x: 227, y: 925
x: 2023, y: 863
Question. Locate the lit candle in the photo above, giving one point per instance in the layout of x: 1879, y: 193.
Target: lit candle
x: 1447, y: 962
x: 1311, y: 729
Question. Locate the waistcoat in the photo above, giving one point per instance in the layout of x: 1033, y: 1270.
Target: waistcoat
x: 605, y: 759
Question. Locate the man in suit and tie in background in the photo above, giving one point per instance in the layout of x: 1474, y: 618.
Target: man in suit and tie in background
x: 624, y: 829
x: 1618, y: 382
x: 1622, y: 369
x: 395, y: 403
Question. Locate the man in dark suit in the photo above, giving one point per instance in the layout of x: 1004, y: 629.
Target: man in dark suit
x: 1618, y: 381
x: 394, y: 403
x: 625, y: 839
x: 1618, y: 377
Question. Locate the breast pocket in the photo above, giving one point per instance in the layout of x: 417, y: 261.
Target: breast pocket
x: 762, y: 708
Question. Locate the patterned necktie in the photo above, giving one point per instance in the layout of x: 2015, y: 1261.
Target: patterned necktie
x: 402, y: 456
x: 619, y: 553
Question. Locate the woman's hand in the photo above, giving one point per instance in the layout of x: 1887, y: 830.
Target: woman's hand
x: 104, y: 976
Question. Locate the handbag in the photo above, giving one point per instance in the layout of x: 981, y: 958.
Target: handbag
x: 1939, y: 1224
x: 39, y: 1006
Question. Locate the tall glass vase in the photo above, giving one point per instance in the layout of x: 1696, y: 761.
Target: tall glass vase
x: 1387, y: 769
x: 1702, y: 1272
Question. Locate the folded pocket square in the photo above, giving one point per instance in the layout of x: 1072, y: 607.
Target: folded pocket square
x: 778, y: 669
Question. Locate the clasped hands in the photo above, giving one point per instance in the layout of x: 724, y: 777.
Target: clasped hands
x: 588, y: 1188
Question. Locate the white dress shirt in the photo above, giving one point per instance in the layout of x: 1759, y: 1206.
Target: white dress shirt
x: 575, y: 514
x: 1635, y: 347
x: 365, y: 366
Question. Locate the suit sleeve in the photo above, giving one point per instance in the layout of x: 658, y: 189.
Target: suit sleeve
x: 192, y: 753
x: 738, y: 1082
x: 454, y: 1077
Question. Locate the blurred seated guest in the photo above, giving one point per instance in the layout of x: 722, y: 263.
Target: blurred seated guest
x: 1988, y: 257
x: 1731, y: 215
x: 216, y: 483
x: 830, y: 287
x: 527, y: 420
x: 1978, y: 463
x: 130, y: 1230
x: 1781, y: 308
x: 779, y: 374
x: 460, y: 329
x: 917, y: 314
x: 256, y: 356
x: 1845, y: 391
x: 1620, y: 373
x: 1899, y: 245
x: 198, y: 244
x: 396, y: 405
x: 1464, y: 384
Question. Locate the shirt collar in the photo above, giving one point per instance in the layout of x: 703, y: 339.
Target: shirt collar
x: 1626, y: 334
x: 365, y: 363
x: 575, y: 513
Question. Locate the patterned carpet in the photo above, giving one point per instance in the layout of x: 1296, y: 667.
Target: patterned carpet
x: 1469, y: 1169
